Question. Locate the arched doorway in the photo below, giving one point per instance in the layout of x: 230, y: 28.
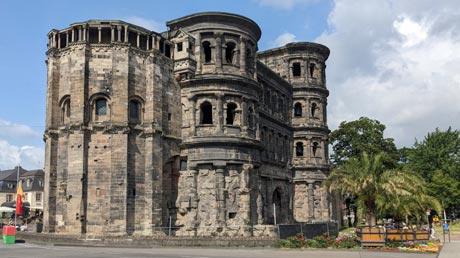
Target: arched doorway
x: 277, y: 206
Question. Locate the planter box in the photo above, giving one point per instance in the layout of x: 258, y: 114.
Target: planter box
x: 407, y: 235
x: 369, y: 236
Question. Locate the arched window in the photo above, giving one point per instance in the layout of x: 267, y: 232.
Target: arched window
x: 207, y: 51
x: 314, y: 148
x: 230, y: 52
x: 101, y: 107
x: 314, y: 106
x: 231, y: 109
x: 251, y: 123
x: 206, y: 113
x: 65, y: 110
x: 297, y: 109
x: 296, y: 71
x: 312, y: 70
x: 299, y: 149
x: 134, y: 111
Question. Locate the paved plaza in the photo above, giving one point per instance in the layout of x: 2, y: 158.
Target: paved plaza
x: 450, y: 250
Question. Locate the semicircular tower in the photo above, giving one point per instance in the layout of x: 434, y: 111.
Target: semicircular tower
x: 303, y: 65
x: 215, y: 62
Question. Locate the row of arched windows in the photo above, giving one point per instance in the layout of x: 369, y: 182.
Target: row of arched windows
x: 276, y: 145
x: 313, y: 110
x: 206, y: 114
x: 299, y: 149
x: 276, y: 103
x: 230, y: 53
x: 100, y: 109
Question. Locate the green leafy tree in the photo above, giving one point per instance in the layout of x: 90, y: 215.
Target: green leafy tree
x: 437, y: 160
x: 353, y: 138
x: 377, y: 189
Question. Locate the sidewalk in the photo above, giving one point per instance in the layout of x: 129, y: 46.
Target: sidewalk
x: 450, y: 250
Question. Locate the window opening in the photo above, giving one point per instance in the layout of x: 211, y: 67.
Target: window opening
x: 206, y: 113
x: 231, y: 109
x: 298, y: 109
x: 312, y: 70
x: 101, y: 107
x: 299, y: 149
x: 251, y: 123
x: 229, y: 52
x: 207, y: 51
x: 134, y: 113
x: 315, y: 147
x: 179, y: 47
x: 314, y: 106
x: 296, y: 71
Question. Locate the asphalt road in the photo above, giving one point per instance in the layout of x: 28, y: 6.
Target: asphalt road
x: 41, y: 251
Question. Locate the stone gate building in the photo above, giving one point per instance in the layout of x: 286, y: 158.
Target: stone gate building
x: 191, y: 125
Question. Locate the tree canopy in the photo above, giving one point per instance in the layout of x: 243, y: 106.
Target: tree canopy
x: 437, y: 159
x: 353, y: 138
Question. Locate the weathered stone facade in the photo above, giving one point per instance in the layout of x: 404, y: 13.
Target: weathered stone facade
x: 191, y: 125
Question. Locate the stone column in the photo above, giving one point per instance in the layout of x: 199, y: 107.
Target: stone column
x: 218, y: 37
x: 80, y: 34
x: 220, y: 115
x: 244, y: 117
x: 220, y: 197
x: 310, y: 200
x: 59, y: 41
x: 99, y: 34
x: 148, y: 43
x: 67, y: 38
x: 126, y: 33
x: 138, y: 40
x: 243, y: 55
x: 198, y: 53
x: 119, y: 33
x: 192, y: 100
x: 73, y: 35
x: 112, y: 34
x: 85, y: 36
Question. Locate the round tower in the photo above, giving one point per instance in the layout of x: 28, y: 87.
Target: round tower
x: 302, y: 64
x: 215, y: 62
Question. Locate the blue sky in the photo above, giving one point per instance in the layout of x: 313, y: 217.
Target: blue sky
x: 392, y: 60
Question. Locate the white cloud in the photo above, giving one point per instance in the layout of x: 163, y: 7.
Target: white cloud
x: 284, y: 4
x: 146, y: 23
x: 29, y: 157
x: 12, y: 130
x: 283, y: 39
x: 396, y: 62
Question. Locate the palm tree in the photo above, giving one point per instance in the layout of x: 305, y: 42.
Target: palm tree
x: 376, y: 188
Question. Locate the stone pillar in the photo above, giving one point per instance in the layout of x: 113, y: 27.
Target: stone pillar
x: 310, y: 200
x: 218, y: 57
x: 220, y: 197
x: 244, y: 117
x: 192, y: 100
x: 85, y: 36
x: 80, y: 34
x: 73, y: 35
x: 138, y: 40
x: 148, y: 43
x: 119, y: 33
x: 198, y: 53
x: 59, y: 41
x: 99, y: 34
x: 126, y: 33
x: 245, y: 196
x: 112, y: 34
x: 243, y: 55
x: 220, y: 115
x: 67, y: 38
